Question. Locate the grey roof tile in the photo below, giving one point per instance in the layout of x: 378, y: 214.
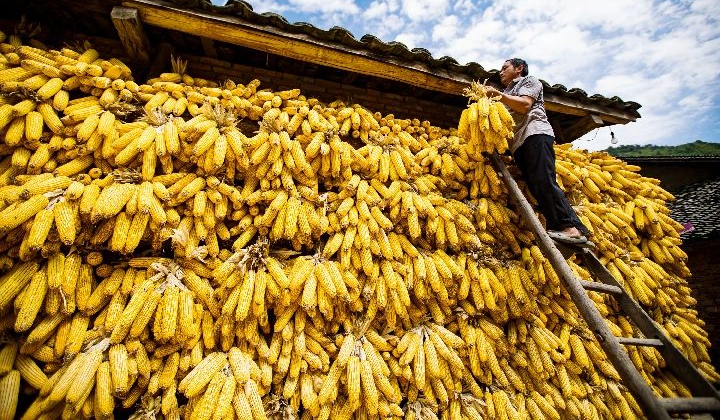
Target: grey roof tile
x: 698, y: 204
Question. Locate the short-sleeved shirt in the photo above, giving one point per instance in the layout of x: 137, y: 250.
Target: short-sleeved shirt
x: 535, y: 121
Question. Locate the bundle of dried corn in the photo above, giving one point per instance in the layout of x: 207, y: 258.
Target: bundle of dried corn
x: 194, y: 250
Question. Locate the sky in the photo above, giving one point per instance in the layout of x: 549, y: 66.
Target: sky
x: 664, y: 55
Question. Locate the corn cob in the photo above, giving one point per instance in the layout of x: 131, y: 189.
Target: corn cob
x: 9, y: 393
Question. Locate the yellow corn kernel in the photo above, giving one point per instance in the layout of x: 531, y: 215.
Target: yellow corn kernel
x: 14, y: 281
x: 118, y: 364
x: 9, y: 393
x: 168, y: 315
x: 84, y: 379
x: 7, y: 357
x: 30, y: 371
x: 194, y: 382
x: 30, y: 307
x: 137, y: 229
x: 207, y: 403
x: 122, y: 327
x: 104, y: 403
x: 65, y: 222
x: 15, y: 131
x: 50, y: 88
x: 33, y: 126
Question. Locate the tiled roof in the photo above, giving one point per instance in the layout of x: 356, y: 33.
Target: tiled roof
x: 392, y: 49
x: 698, y: 204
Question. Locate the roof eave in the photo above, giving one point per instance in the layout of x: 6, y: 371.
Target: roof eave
x: 238, y: 31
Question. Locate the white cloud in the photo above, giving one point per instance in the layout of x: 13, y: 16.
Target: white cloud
x: 410, y: 39
x: 385, y: 26
x: 322, y: 13
x: 473, y: 42
x: 447, y: 29
x: 325, y: 6
x: 464, y: 6
x: 424, y: 10
x: 377, y: 9
x: 262, y: 6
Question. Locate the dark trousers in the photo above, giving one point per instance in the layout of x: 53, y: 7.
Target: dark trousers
x: 536, y: 159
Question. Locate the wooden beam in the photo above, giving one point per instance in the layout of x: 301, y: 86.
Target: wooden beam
x: 582, y: 126
x: 131, y: 33
x: 297, y: 46
x: 306, y: 48
x: 572, y: 106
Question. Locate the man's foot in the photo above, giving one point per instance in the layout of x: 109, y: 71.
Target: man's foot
x: 568, y: 235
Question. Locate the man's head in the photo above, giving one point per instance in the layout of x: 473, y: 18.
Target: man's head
x: 512, y: 69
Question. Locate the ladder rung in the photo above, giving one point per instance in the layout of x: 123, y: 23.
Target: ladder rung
x: 601, y: 287
x: 632, y: 341
x: 691, y: 405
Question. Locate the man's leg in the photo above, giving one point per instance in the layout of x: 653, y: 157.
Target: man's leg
x: 536, y: 159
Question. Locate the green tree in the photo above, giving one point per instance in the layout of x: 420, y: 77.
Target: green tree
x: 696, y: 148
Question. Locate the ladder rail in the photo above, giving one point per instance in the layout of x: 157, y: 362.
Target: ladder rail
x: 634, y: 341
x: 675, y: 361
x: 619, y: 358
x: 691, y: 405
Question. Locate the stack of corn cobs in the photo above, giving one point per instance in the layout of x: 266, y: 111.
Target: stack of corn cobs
x: 182, y: 249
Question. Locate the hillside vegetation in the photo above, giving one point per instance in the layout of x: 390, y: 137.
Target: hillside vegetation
x: 697, y: 148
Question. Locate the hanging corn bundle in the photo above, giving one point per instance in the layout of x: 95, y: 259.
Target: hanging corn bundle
x: 486, y: 123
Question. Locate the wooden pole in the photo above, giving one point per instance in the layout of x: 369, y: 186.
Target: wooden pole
x: 131, y: 33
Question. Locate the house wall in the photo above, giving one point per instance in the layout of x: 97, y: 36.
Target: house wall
x: 674, y: 176
x: 705, y: 284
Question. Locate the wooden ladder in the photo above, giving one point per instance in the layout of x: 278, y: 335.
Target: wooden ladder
x: 705, y: 397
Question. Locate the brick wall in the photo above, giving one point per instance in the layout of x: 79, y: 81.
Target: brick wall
x: 401, y: 106
x: 705, y: 283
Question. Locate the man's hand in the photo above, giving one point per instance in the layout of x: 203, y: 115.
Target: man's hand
x: 491, y: 92
x: 521, y: 104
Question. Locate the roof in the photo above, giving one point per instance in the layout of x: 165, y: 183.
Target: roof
x: 698, y: 204
x: 394, y: 49
x: 269, y: 41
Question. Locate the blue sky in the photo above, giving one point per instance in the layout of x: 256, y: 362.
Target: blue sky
x: 664, y: 55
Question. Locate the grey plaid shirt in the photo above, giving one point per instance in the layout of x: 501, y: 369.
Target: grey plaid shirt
x: 535, y: 121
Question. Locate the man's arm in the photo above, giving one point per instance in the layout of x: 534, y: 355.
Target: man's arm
x: 521, y: 104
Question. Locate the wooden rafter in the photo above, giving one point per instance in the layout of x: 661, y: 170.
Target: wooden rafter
x: 131, y: 33
x: 584, y: 125
x: 306, y: 48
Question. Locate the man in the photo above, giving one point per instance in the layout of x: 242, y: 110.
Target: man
x: 532, y: 149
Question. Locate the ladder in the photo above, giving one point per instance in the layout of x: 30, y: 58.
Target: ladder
x: 706, y: 398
